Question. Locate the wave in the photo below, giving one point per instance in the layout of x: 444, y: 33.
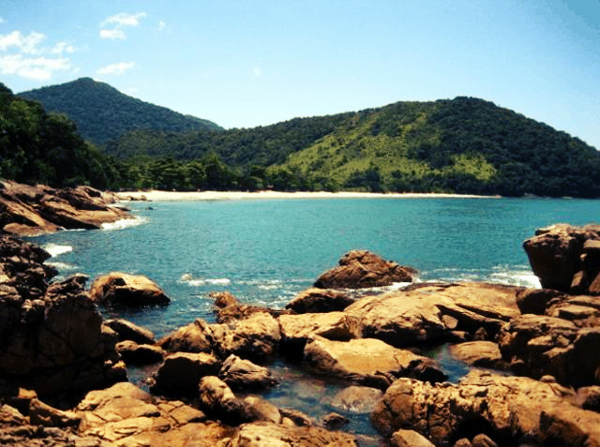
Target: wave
x: 515, y: 275
x: 61, y: 266
x: 124, y: 223
x: 57, y: 250
x: 188, y: 279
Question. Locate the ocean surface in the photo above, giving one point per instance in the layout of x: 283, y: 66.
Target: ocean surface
x: 266, y: 251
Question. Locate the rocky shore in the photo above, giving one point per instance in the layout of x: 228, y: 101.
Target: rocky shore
x: 534, y: 378
x: 34, y: 210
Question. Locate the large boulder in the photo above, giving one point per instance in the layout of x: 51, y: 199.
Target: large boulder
x: 34, y: 210
x: 510, y: 410
x: 198, y: 336
x: 368, y: 361
x: 360, y: 268
x: 539, y: 345
x: 122, y: 289
x: 181, y: 372
x: 427, y: 312
x: 255, y: 338
x: 478, y: 353
x: 127, y: 330
x: 52, y: 336
x: 242, y: 374
x: 566, y: 257
x: 315, y: 300
x: 260, y: 434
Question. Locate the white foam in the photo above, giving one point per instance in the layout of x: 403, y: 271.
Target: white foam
x: 124, y: 223
x: 189, y: 279
x: 518, y: 275
x: 56, y: 250
x: 62, y: 266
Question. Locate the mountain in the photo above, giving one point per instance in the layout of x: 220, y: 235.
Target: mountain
x: 40, y: 147
x: 102, y: 113
x: 464, y: 145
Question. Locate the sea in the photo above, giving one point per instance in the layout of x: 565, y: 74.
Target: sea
x: 265, y: 251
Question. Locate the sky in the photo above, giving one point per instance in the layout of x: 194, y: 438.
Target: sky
x: 249, y: 63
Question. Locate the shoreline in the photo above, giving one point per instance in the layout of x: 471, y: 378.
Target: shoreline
x: 166, y: 196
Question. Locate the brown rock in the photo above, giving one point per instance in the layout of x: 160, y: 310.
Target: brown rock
x: 259, y: 434
x: 135, y: 354
x: 588, y: 398
x: 478, y: 353
x: 43, y: 414
x: 367, y: 361
x: 194, y: 337
x: 410, y: 438
x: 360, y: 268
x: 510, y: 408
x: 181, y: 372
x: 315, y: 300
x: 126, y: 330
x: 217, y: 399
x: 122, y: 289
x: 229, y: 310
x: 242, y: 374
x: 535, y: 301
x: 255, y: 338
x: 357, y: 399
x: 334, y: 421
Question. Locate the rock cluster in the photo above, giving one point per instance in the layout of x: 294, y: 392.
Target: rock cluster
x: 122, y: 289
x: 52, y: 337
x: 566, y: 258
x: 34, y: 210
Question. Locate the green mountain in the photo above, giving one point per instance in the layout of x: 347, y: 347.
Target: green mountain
x: 464, y: 145
x: 103, y: 113
x: 38, y: 147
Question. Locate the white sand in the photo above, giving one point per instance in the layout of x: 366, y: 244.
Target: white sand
x: 162, y: 196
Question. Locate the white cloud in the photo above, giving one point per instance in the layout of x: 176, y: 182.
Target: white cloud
x: 124, y: 19
x: 2, y: 20
x: 62, y: 47
x: 38, y: 68
x: 116, y: 69
x: 112, y: 34
x: 161, y: 25
x: 26, y: 57
x: 25, y: 44
x: 257, y: 72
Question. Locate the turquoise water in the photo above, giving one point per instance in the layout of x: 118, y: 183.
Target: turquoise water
x: 265, y: 251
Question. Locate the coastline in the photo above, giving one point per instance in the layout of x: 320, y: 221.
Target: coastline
x: 166, y: 196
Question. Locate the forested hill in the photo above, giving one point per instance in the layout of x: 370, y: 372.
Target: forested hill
x: 464, y: 145
x: 103, y: 113
x: 40, y: 147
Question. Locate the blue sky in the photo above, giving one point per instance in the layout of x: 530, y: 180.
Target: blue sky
x: 250, y: 63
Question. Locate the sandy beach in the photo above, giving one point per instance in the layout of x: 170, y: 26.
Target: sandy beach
x: 162, y: 196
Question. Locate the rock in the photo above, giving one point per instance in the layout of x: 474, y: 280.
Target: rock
x: 588, y: 398
x: 257, y: 409
x: 536, y: 301
x: 463, y: 442
x: 35, y: 210
x: 55, y: 342
x: 296, y: 330
x: 194, y: 337
x: 230, y: 310
x: 255, y: 338
x: 360, y: 268
x: 543, y: 345
x: 334, y: 421
x: 558, y: 253
x: 217, y: 399
x: 181, y: 372
x: 427, y: 312
x: 509, y: 409
x: 259, y: 434
x: 367, y: 361
x: 124, y: 415
x: 135, y: 354
x: 410, y: 438
x: 242, y: 374
x: 478, y: 353
x: 315, y: 300
x: 43, y: 414
x: 357, y: 399
x: 122, y: 289
x: 482, y: 440
x: 126, y: 330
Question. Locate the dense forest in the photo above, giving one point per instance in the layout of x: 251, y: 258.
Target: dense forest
x: 102, y: 113
x: 464, y: 145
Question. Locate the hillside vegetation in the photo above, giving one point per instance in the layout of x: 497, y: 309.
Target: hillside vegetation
x: 37, y: 147
x: 103, y: 113
x: 464, y: 145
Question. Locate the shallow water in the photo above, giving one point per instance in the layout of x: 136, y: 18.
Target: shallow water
x: 266, y: 251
